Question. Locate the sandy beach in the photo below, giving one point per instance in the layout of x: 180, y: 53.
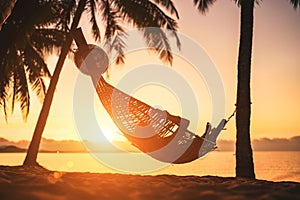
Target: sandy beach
x: 20, y: 183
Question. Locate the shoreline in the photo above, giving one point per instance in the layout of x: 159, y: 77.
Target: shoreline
x: 17, y: 182
x: 221, y: 164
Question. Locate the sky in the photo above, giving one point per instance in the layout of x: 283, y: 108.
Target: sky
x: 275, y: 84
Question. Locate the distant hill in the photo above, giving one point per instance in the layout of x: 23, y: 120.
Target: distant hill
x: 47, y: 145
x: 265, y: 144
x: 11, y: 149
x: 50, y: 145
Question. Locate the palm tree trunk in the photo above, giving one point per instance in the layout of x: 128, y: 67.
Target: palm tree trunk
x: 244, y: 158
x: 33, y: 149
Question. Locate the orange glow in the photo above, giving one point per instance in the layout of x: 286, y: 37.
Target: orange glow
x: 275, y: 71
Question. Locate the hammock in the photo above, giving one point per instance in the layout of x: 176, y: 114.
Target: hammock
x: 155, y: 132
x: 159, y: 134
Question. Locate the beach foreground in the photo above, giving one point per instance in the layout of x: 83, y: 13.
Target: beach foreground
x: 24, y: 183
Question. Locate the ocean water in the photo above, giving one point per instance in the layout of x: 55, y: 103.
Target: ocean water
x: 273, y: 166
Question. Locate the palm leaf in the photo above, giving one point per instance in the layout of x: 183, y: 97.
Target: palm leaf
x: 158, y: 41
x: 144, y: 13
x: 68, y: 8
x: 203, y: 5
x: 23, y: 94
x: 5, y: 81
x: 35, y: 63
x: 47, y: 40
x: 295, y: 3
x: 118, y: 44
x: 169, y: 5
x: 36, y: 68
x: 95, y: 29
x: 114, y: 33
x: 39, y: 87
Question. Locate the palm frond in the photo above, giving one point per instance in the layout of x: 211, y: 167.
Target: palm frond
x: 158, y: 41
x: 5, y: 81
x: 23, y: 94
x: 169, y: 5
x: 144, y: 13
x: 14, y: 92
x: 110, y: 18
x: 5, y: 110
x: 38, y: 86
x: 114, y: 33
x: 203, y: 5
x: 21, y: 90
x: 295, y: 3
x: 95, y: 28
x: 48, y: 40
x: 35, y: 63
x: 3, y: 100
x: 36, y: 68
x: 67, y: 9
x: 118, y: 45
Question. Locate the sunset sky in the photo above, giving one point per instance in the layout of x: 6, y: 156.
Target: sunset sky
x: 275, y: 70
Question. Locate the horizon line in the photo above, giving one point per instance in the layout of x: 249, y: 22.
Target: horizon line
x: 75, y: 140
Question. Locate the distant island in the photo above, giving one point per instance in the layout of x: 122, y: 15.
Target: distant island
x: 65, y: 146
x: 11, y: 149
x: 72, y: 146
x: 15, y: 149
x: 265, y: 144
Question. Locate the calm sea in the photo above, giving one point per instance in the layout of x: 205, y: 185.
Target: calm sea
x: 274, y: 166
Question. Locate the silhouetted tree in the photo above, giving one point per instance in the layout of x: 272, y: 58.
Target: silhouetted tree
x: 244, y: 158
x: 25, y: 39
x: 139, y: 13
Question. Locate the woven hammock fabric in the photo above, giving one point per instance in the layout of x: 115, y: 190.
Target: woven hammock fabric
x: 159, y: 134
